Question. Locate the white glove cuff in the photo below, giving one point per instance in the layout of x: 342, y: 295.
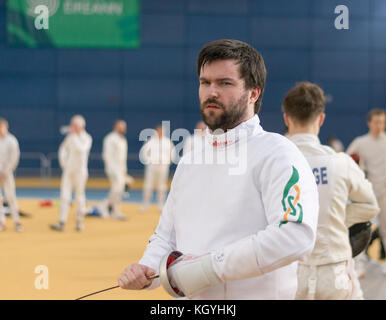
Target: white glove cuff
x: 193, y: 276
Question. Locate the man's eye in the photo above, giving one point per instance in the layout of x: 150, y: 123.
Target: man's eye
x: 225, y: 83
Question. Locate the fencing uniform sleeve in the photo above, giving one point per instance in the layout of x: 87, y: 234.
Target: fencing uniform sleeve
x: 173, y: 153
x: 82, y: 143
x: 353, y: 147
x: 291, y: 203
x: 144, y: 153
x: 63, y: 153
x: 363, y: 204
x: 108, y: 154
x: 13, y: 156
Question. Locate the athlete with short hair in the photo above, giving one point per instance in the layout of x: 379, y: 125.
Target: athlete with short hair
x: 114, y: 156
x: 370, y: 151
x: 345, y: 198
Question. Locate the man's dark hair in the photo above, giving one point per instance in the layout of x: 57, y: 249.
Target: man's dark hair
x: 252, y: 68
x: 304, y: 102
x: 375, y: 112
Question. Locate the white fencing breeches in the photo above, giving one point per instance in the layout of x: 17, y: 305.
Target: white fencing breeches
x: 117, y: 188
x: 10, y: 195
x: 72, y: 181
x: 335, y: 281
x: 156, y: 175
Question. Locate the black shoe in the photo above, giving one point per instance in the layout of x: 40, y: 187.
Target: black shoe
x: 57, y: 227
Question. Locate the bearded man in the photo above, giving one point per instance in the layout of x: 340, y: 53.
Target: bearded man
x: 242, y: 232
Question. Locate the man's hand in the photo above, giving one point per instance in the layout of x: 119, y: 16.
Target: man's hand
x: 3, y: 177
x: 134, y: 277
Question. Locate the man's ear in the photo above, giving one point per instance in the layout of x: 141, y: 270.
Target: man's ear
x: 255, y: 94
x: 321, y: 119
x: 286, y: 121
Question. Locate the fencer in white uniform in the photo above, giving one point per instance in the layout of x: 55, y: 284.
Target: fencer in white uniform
x: 244, y: 222
x: 157, y: 155
x: 346, y: 197
x: 371, y: 150
x: 114, y: 155
x: 73, y: 159
x: 9, y: 159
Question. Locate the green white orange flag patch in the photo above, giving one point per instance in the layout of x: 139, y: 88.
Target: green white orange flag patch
x: 292, y: 208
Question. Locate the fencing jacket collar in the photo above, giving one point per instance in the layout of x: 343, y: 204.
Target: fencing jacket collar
x: 243, y: 131
x: 304, y: 138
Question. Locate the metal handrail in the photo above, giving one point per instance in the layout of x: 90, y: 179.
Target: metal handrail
x: 92, y: 156
x: 44, y: 162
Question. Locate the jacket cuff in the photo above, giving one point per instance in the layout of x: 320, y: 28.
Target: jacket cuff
x: 236, y: 261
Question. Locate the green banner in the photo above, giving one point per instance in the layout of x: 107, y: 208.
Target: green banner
x: 73, y: 23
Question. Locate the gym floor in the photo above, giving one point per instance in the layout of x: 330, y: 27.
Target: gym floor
x: 81, y: 263
x: 78, y: 263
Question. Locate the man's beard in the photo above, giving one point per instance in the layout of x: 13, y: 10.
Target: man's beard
x: 231, y: 116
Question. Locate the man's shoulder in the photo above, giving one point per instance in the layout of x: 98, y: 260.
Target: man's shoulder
x: 273, y: 143
x: 325, y: 151
x: 361, y: 139
x: 11, y: 137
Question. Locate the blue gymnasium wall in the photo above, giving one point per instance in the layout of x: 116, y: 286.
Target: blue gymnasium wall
x: 41, y: 88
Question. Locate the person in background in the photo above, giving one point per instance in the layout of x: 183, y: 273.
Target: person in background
x: 346, y: 197
x: 73, y: 159
x: 157, y: 154
x: 370, y: 152
x: 114, y: 155
x: 9, y: 159
x: 335, y: 144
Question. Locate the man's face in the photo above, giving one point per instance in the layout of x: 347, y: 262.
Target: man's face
x: 75, y: 127
x: 159, y: 131
x: 3, y: 129
x: 120, y: 127
x: 377, y: 124
x: 223, y: 97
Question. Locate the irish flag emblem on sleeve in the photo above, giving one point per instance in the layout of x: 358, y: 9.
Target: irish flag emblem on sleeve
x: 292, y: 209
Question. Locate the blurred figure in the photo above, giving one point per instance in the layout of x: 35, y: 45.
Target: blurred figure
x: 197, y: 139
x: 114, y: 155
x: 335, y: 144
x: 9, y: 159
x: 345, y: 198
x: 370, y: 152
x: 157, y: 154
x: 73, y: 159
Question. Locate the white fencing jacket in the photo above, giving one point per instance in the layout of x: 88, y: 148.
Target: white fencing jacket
x: 256, y: 222
x: 346, y: 197
x: 114, y: 154
x: 9, y: 154
x: 74, y: 152
x: 372, y: 154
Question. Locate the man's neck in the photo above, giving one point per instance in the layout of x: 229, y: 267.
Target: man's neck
x: 375, y: 135
x: 305, y: 130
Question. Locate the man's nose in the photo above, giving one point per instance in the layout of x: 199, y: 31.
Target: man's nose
x: 213, y: 91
